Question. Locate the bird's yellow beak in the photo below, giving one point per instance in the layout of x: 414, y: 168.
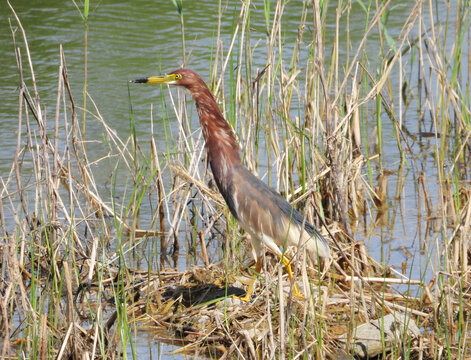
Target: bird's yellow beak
x: 166, y: 79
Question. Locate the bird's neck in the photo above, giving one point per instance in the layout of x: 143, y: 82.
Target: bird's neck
x: 221, y: 142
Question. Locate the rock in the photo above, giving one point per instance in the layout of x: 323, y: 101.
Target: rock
x: 203, y: 320
x: 368, y: 341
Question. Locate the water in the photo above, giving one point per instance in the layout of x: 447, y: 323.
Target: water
x: 133, y: 39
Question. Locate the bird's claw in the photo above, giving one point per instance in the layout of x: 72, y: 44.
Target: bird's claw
x: 297, y: 293
x: 244, y: 298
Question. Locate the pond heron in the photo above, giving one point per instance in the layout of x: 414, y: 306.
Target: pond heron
x: 259, y: 209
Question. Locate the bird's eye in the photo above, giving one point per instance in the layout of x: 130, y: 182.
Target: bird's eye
x: 178, y: 76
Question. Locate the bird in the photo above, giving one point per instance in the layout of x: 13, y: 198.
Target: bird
x: 259, y: 209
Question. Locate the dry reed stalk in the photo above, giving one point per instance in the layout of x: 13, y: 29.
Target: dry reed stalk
x: 51, y: 223
x: 160, y: 193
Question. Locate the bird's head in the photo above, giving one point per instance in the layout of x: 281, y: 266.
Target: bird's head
x: 181, y: 77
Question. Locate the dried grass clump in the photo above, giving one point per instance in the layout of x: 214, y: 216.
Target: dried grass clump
x: 190, y: 309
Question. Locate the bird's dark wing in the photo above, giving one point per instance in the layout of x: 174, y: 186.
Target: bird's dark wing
x: 264, y: 212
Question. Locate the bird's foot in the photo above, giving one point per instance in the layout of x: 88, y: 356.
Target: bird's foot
x: 244, y: 298
x: 297, y: 293
x: 248, y: 294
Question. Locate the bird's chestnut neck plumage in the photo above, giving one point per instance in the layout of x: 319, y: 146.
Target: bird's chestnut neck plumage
x: 221, y: 142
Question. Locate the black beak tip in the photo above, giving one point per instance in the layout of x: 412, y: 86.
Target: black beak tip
x: 139, y: 81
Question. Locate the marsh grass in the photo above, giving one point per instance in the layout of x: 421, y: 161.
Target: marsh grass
x: 80, y: 277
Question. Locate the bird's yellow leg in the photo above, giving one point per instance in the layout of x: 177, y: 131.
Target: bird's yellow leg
x: 248, y: 294
x: 287, y: 264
